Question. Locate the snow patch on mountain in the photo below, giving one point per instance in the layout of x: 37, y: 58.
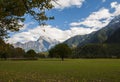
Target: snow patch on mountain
x: 42, y: 44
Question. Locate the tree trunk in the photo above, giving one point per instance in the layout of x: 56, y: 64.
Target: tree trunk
x: 62, y: 58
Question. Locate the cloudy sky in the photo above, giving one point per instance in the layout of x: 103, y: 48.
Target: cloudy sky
x: 72, y: 17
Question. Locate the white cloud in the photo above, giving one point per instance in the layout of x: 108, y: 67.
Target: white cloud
x: 100, y: 18
x: 116, y: 6
x: 26, y: 25
x: 48, y: 31
x: 97, y: 19
x: 80, y: 31
x: 61, y: 4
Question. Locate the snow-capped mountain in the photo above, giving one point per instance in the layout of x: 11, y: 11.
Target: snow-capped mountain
x: 42, y: 44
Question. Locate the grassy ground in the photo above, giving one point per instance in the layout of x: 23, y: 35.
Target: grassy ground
x: 54, y: 70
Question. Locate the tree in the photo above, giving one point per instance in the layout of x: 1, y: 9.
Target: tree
x: 12, y: 13
x: 3, y: 53
x: 61, y: 50
x: 98, y: 51
x: 52, y: 52
x: 8, y: 51
x: 30, y: 54
x: 17, y: 52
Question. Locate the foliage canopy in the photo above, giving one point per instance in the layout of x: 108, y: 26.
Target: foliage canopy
x: 12, y: 13
x: 60, y: 50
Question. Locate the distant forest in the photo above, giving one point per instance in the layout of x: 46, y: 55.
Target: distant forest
x: 97, y: 51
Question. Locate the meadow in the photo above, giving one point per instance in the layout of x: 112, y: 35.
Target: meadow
x: 55, y: 70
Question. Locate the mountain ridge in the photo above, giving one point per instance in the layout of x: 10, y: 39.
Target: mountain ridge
x: 42, y: 44
x: 95, y: 37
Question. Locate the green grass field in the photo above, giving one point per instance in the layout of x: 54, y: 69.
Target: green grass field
x: 54, y: 70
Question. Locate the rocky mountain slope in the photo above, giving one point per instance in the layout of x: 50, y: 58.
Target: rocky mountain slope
x: 114, y: 38
x: 42, y: 44
x: 95, y: 37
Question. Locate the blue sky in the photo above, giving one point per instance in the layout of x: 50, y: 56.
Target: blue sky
x: 72, y: 17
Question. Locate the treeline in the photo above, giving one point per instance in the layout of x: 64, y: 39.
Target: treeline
x: 62, y: 51
x: 7, y: 51
x: 87, y: 51
x: 97, y: 51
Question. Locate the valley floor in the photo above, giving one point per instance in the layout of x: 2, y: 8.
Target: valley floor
x: 55, y: 70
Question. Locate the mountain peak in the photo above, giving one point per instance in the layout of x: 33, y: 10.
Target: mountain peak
x: 42, y: 37
x: 42, y: 44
